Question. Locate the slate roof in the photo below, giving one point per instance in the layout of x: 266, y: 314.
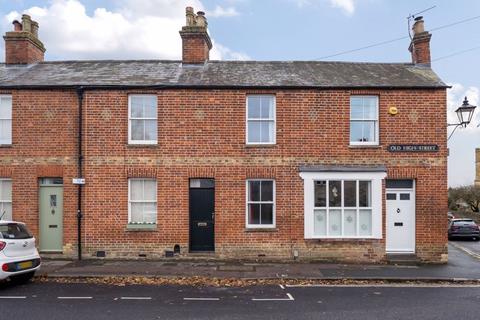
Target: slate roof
x: 146, y: 73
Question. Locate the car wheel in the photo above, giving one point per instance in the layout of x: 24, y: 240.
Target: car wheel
x: 22, y: 278
x: 476, y: 238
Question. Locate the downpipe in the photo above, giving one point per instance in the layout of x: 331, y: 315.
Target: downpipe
x: 80, y: 91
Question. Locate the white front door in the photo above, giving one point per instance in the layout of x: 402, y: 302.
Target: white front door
x: 400, y: 231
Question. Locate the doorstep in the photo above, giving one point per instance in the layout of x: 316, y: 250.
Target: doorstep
x: 406, y: 259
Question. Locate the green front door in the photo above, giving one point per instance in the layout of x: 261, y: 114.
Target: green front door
x: 51, y: 218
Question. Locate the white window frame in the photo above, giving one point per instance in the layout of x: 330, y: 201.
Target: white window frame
x: 130, y: 201
x: 248, y: 202
x: 309, y: 179
x: 8, y: 142
x: 274, y: 119
x: 130, y: 118
x: 377, y: 121
x: 3, y: 201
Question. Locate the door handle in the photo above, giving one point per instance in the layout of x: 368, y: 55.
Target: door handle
x: 213, y: 215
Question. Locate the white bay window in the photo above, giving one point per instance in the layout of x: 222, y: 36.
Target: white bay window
x: 343, y: 204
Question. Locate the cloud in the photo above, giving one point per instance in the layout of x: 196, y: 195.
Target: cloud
x: 222, y: 12
x: 347, y: 6
x: 462, y: 144
x: 136, y: 29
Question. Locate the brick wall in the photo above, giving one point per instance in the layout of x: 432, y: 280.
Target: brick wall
x: 201, y: 133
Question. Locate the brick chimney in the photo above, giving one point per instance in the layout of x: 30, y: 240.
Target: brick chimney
x: 22, y: 45
x: 420, y: 45
x: 196, y: 43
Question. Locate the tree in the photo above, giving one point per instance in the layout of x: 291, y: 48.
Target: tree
x: 470, y: 195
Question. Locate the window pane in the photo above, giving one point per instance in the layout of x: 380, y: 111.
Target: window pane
x: 254, y: 191
x: 5, y: 131
x: 267, y: 191
x: 6, y: 108
x: 335, y: 222
x: 150, y: 190
x: 369, y: 131
x: 335, y: 193
x: 320, y: 193
x: 137, y: 129
x: 370, y: 108
x: 136, y: 190
x: 254, y: 134
x: 365, y: 194
x: 6, y: 211
x: 365, y: 223
x: 320, y: 222
x: 253, y: 213
x: 356, y: 112
x: 362, y: 131
x: 266, y: 214
x: 350, y: 190
x: 267, y: 108
x: 254, y: 103
x: 136, y: 212
x: 150, y: 107
x: 150, y: 212
x: 150, y: 129
x: 5, y: 190
x: 391, y: 196
x: 136, y: 107
x: 350, y: 222
x: 404, y: 196
x: 266, y: 134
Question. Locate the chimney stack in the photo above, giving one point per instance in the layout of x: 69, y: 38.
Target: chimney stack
x: 420, y: 45
x: 196, y: 43
x: 22, y: 45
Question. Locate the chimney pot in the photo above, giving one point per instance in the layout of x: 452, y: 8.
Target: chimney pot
x: 26, y: 23
x: 35, y: 29
x: 17, y: 26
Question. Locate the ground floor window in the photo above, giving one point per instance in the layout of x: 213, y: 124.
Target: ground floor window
x: 343, y: 205
x: 142, y: 201
x: 260, y: 203
x: 5, y: 199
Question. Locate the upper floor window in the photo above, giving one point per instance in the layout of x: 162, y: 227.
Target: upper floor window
x: 142, y: 119
x: 5, y: 199
x: 261, y: 119
x: 363, y: 120
x: 5, y: 119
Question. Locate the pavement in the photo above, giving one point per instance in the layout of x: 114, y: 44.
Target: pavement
x: 464, y: 264
x: 50, y: 301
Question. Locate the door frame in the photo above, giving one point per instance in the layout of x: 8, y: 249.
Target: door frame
x: 414, y: 220
x: 190, y: 215
x: 50, y: 185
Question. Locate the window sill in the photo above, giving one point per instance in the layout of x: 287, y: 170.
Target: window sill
x: 266, y: 229
x: 144, y: 145
x: 342, y: 239
x: 365, y: 146
x: 6, y: 145
x: 260, y: 145
x: 141, y: 227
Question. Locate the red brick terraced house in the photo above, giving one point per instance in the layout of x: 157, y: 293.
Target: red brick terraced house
x: 306, y: 160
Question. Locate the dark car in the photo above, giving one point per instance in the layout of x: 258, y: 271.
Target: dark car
x: 463, y: 228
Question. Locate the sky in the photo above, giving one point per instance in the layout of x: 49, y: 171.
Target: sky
x: 274, y: 30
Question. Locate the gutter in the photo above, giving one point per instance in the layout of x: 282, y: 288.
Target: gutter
x: 219, y: 87
x: 80, y: 91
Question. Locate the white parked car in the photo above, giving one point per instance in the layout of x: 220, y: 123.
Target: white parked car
x: 19, y: 258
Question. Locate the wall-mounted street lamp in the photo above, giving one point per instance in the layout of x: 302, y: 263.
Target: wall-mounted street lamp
x: 464, y: 114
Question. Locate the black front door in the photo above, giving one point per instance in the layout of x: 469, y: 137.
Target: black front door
x: 202, y: 214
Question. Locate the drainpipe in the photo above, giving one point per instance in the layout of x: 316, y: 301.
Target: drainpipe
x: 80, y: 91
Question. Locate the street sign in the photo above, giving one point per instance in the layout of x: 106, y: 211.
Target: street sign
x: 413, y: 148
x: 78, y: 180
